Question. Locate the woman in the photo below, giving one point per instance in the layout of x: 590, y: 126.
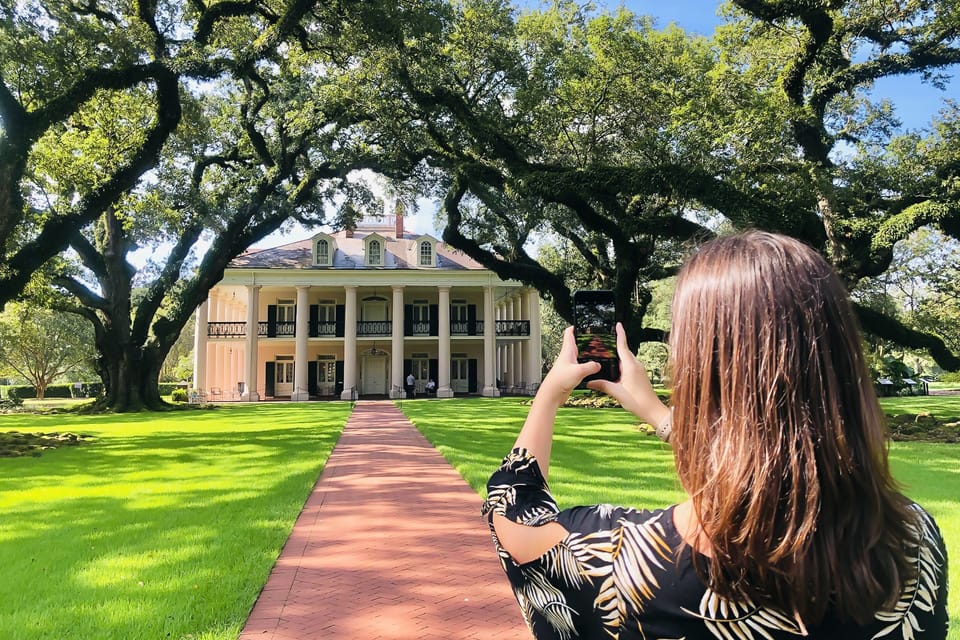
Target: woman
x: 792, y: 526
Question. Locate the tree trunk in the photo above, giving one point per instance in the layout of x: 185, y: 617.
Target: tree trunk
x: 130, y: 380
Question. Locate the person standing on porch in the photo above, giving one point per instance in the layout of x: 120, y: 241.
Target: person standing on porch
x: 411, y: 385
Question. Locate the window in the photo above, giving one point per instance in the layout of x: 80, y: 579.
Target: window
x: 421, y: 317
x: 426, y: 254
x: 324, y: 248
x: 374, y: 253
x: 326, y: 369
x: 421, y: 369
x: 327, y: 311
x: 284, y: 370
x: 458, y: 318
x: 326, y: 318
x: 286, y: 311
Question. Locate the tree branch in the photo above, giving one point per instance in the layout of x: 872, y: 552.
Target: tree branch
x: 885, y: 327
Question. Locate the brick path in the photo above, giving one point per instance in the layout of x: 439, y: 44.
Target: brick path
x: 390, y: 544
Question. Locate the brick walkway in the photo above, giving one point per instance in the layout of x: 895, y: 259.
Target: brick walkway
x: 390, y: 544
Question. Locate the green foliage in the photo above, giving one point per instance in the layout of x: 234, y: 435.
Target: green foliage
x: 41, y: 345
x: 178, y: 395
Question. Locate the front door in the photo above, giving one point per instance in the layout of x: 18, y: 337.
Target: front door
x: 459, y: 375
x: 373, y: 375
x: 283, y: 380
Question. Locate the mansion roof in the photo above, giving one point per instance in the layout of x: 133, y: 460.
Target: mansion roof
x: 399, y: 253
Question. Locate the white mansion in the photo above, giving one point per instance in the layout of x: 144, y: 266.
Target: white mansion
x: 353, y: 313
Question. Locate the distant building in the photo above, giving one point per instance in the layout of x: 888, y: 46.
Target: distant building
x: 350, y: 314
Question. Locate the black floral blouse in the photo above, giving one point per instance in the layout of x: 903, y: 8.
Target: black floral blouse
x: 623, y: 574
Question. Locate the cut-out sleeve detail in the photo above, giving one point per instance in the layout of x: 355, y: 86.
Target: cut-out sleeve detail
x: 518, y: 491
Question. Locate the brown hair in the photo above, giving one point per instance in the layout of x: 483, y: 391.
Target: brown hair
x: 778, y: 436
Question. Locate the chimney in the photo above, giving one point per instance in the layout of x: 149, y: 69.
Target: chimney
x: 398, y: 215
x: 348, y: 232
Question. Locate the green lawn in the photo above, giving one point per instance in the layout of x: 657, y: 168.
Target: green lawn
x: 165, y: 526
x: 599, y: 456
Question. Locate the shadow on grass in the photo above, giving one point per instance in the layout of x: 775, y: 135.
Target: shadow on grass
x: 161, y: 533
x: 594, y: 450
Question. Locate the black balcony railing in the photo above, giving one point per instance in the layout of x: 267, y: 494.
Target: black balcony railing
x: 326, y: 329
x: 420, y: 329
x: 226, y: 329
x: 233, y: 330
x: 513, y: 327
x: 374, y: 328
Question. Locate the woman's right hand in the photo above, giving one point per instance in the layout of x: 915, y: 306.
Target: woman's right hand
x: 633, y: 390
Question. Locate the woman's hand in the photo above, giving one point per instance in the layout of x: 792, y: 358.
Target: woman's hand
x: 566, y: 372
x: 633, y: 390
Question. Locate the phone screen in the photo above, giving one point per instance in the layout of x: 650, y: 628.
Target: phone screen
x: 594, y: 328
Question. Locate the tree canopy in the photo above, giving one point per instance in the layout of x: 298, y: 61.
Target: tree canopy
x: 195, y: 129
x: 634, y: 144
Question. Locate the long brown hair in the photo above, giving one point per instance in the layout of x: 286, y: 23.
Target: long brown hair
x: 778, y: 436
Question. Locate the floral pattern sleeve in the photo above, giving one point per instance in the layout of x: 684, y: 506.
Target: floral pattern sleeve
x: 518, y: 491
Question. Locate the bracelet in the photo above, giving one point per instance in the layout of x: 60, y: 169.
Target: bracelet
x: 664, y: 428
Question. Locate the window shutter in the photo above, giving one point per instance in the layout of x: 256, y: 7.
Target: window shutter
x: 338, y: 374
x: 312, y: 377
x: 408, y: 319
x: 472, y: 375
x: 314, y: 320
x: 434, y: 319
x: 272, y: 321
x: 471, y: 319
x: 271, y: 376
x: 434, y: 367
x: 341, y: 314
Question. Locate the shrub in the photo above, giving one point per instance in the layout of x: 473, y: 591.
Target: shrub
x: 167, y: 388
x: 179, y: 395
x: 950, y: 376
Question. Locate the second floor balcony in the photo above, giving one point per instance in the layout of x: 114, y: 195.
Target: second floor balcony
x: 365, y: 329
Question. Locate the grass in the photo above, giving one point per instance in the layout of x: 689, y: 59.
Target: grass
x: 164, y: 526
x: 599, y: 456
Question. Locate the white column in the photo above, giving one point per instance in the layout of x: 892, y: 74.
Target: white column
x: 443, y: 344
x: 396, y: 345
x: 349, y: 343
x: 253, y: 316
x: 518, y: 372
x: 489, y: 344
x: 216, y: 381
x: 534, y: 359
x: 509, y: 377
x: 501, y: 349
x: 301, y: 389
x: 200, y: 347
x: 229, y: 394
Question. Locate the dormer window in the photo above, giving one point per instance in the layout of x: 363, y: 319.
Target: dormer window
x: 375, y: 248
x: 423, y: 251
x: 323, y: 250
x: 426, y: 254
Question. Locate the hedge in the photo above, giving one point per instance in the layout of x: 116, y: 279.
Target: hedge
x: 90, y: 389
x: 24, y: 391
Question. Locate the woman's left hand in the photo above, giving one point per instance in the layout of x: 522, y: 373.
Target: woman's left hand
x: 566, y: 372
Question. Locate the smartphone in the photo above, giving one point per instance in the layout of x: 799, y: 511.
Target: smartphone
x: 594, y: 327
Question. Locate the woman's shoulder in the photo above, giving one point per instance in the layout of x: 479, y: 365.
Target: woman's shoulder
x: 657, y: 523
